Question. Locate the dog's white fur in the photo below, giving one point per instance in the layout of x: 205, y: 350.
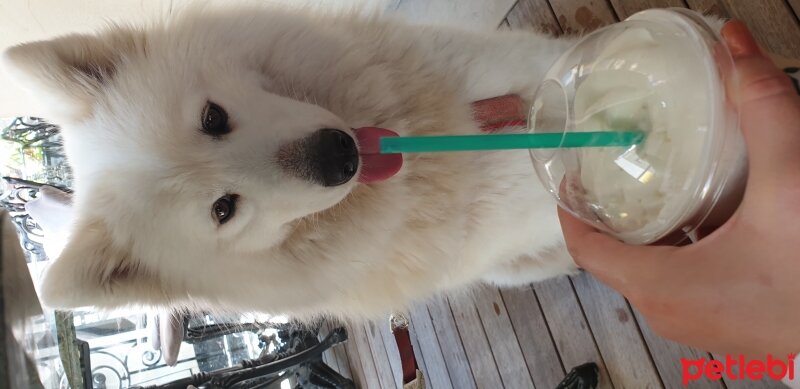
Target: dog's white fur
x: 130, y: 99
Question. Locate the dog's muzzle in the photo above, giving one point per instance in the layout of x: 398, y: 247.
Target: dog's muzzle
x: 328, y: 157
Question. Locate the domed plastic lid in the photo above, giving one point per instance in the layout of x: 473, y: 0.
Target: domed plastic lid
x: 658, y: 72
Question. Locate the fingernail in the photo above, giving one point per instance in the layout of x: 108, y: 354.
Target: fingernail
x: 739, y: 39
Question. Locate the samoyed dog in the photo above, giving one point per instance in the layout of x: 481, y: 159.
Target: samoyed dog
x: 225, y: 158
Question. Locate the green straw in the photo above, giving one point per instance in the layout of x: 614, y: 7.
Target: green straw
x: 429, y: 144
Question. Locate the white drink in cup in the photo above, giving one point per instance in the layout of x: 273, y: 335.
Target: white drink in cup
x: 662, y: 72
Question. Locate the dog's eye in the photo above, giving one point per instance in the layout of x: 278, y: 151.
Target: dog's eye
x: 215, y: 120
x: 224, y: 208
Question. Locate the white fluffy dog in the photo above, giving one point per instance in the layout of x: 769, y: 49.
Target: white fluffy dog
x: 216, y: 162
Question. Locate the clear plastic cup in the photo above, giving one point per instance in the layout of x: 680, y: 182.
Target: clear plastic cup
x: 662, y: 72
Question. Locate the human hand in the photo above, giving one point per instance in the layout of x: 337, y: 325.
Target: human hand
x: 738, y: 289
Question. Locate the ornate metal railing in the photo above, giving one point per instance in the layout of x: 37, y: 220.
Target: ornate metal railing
x: 15, y: 194
x: 300, y: 355
x: 40, y: 143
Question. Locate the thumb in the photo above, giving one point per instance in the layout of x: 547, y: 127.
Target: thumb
x: 768, y: 105
x: 618, y: 265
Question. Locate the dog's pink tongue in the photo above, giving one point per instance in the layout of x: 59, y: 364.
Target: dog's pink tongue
x: 374, y: 165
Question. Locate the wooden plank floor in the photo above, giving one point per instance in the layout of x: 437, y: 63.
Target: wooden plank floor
x: 530, y: 337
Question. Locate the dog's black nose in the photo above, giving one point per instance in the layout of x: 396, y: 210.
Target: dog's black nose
x: 334, y: 155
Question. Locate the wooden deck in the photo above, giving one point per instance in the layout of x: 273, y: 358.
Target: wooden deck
x: 529, y: 337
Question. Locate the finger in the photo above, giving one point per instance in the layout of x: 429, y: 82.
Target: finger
x: 621, y: 266
x: 768, y: 106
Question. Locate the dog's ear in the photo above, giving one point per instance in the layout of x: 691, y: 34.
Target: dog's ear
x: 66, y: 74
x: 92, y: 271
